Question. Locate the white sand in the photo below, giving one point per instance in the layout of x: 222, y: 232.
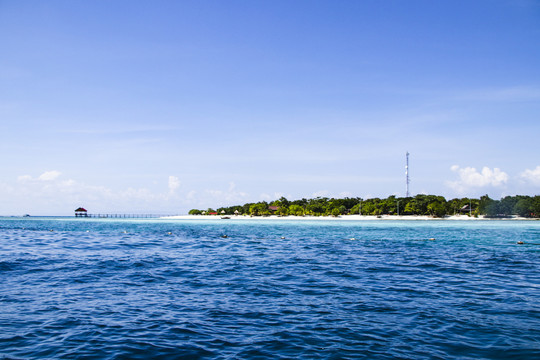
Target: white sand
x: 332, y: 218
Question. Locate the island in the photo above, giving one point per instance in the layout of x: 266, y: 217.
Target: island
x: 433, y: 206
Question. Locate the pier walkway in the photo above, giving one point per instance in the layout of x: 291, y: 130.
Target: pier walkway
x: 121, y: 216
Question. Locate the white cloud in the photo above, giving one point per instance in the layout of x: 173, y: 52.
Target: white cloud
x: 278, y: 195
x: 469, y: 178
x: 320, y: 193
x: 49, y: 175
x: 50, y: 194
x: 174, y: 184
x: 68, y: 183
x: 46, y: 176
x: 531, y: 176
x: 270, y: 197
x: 220, y: 197
x: 24, y: 178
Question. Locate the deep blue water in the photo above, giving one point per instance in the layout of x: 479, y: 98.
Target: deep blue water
x: 128, y: 289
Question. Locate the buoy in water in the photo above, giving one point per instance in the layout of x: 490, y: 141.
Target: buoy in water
x: 431, y: 239
x: 520, y: 243
x: 224, y: 236
x: 169, y: 233
x: 283, y: 237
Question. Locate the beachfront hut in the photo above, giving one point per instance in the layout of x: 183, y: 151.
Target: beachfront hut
x: 466, y: 209
x: 236, y: 212
x: 273, y: 208
x: 81, y: 212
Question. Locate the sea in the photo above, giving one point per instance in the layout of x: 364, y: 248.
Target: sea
x: 268, y: 289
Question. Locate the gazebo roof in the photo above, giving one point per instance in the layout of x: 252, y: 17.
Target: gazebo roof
x: 81, y: 209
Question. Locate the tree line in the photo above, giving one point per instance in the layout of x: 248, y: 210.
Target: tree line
x: 432, y: 205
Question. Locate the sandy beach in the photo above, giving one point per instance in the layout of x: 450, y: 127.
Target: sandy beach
x: 339, y: 218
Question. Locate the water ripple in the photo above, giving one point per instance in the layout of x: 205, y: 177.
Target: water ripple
x: 173, y: 290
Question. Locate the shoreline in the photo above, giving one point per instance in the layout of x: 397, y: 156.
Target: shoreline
x: 342, y: 217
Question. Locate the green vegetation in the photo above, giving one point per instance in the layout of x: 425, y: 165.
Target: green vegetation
x: 432, y: 205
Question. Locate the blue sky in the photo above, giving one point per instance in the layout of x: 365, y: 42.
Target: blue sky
x: 164, y: 106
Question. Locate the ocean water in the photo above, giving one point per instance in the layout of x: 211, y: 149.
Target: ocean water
x: 162, y: 289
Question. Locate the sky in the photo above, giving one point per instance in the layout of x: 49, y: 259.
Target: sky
x: 164, y: 106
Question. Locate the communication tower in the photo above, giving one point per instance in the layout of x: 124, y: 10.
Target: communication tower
x: 407, y: 181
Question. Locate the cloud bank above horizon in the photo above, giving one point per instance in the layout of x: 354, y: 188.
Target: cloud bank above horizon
x: 53, y: 188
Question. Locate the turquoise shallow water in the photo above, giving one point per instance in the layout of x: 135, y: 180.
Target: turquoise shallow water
x: 140, y: 289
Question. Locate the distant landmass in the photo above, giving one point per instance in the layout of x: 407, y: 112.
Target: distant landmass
x: 432, y: 205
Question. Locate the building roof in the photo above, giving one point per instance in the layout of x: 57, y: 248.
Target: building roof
x: 81, y: 209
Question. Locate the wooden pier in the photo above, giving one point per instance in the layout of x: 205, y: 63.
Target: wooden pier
x: 121, y: 216
x: 83, y: 213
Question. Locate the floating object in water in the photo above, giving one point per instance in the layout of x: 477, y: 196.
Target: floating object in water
x: 352, y: 239
x: 520, y: 243
x: 51, y: 230
x: 224, y: 236
x: 169, y: 233
x: 283, y: 237
x: 431, y: 239
x: 125, y: 232
x: 87, y: 230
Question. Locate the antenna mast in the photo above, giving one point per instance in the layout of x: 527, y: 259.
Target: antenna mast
x: 407, y: 181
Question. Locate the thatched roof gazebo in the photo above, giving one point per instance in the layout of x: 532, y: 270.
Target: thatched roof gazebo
x: 81, y: 212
